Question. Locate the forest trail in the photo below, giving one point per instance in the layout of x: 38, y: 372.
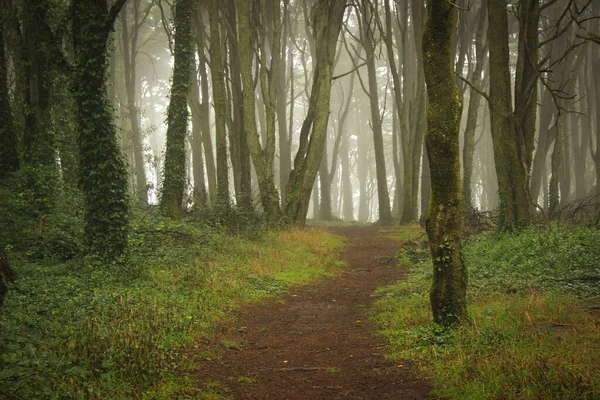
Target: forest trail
x: 316, y: 341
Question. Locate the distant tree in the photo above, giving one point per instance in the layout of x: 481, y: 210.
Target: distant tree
x: 368, y: 42
x: 203, y: 141
x: 129, y: 37
x: 444, y: 221
x: 217, y: 72
x: 102, y: 168
x: 474, y: 106
x: 174, y: 173
x: 238, y: 141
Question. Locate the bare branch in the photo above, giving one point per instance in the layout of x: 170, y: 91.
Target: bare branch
x: 475, y: 88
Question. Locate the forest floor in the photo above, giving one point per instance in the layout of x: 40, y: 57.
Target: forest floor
x: 316, y: 341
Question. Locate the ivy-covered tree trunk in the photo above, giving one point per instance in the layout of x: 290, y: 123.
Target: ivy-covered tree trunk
x: 327, y: 22
x: 9, y: 154
x: 444, y: 222
x: 102, y: 169
x: 174, y: 172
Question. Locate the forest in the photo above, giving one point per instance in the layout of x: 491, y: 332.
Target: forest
x: 299, y: 199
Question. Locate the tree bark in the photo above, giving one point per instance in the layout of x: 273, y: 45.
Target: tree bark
x: 220, y: 105
x: 512, y: 176
x: 327, y: 22
x: 262, y: 156
x: 385, y: 213
x: 174, y: 172
x: 207, y: 144
x: 473, y: 111
x: 444, y: 222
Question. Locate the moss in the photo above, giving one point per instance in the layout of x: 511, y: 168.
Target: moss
x: 444, y: 222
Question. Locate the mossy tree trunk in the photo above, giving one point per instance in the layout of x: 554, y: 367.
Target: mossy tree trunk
x: 444, y: 222
x: 327, y: 22
x: 174, y: 172
x: 102, y: 169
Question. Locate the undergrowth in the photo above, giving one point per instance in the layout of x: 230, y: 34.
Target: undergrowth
x: 82, y: 329
x: 532, y: 334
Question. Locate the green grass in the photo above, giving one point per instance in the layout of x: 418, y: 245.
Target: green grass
x: 82, y: 329
x: 530, y: 335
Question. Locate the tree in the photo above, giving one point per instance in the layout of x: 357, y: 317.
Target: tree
x: 385, y: 213
x: 444, y: 221
x: 512, y: 173
x: 174, y: 172
x: 327, y: 22
x: 130, y: 52
x: 102, y: 168
x: 9, y: 155
x: 220, y: 105
x: 204, y: 139
x: 262, y: 157
x: 473, y: 109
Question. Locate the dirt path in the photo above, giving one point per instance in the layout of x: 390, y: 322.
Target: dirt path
x: 316, y: 342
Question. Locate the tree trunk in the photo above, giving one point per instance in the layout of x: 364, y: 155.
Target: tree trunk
x: 200, y: 193
x: 512, y: 180
x: 103, y: 173
x: 347, y: 195
x: 209, y: 157
x: 473, y: 111
x: 174, y: 172
x: 9, y: 154
x: 327, y: 22
x: 220, y: 105
x: 557, y: 156
x: 444, y: 222
x: 385, y: 213
x: 129, y: 61
x: 240, y: 155
x: 262, y: 157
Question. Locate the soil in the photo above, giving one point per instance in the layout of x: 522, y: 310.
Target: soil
x: 316, y: 341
